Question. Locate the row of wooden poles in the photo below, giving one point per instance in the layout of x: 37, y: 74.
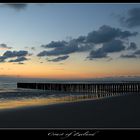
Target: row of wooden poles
x: 85, y: 88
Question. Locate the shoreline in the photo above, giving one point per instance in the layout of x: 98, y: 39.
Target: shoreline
x: 56, y: 103
x: 117, y: 112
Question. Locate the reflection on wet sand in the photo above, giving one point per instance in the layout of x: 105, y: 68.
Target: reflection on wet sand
x: 8, y: 104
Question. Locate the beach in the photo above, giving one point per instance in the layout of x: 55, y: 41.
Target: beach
x: 114, y: 112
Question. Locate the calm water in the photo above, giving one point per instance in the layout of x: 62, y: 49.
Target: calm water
x: 13, y: 97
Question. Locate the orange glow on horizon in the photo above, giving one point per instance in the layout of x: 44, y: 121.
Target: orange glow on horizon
x: 73, y: 76
x: 71, y: 70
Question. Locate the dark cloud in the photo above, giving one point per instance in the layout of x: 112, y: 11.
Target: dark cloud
x: 19, y: 59
x: 55, y: 44
x: 4, y: 46
x: 137, y: 52
x: 12, y: 54
x: 97, y: 54
x: 61, y: 48
x: 2, y: 59
x: 126, y: 34
x: 16, y: 6
x: 109, y: 47
x: 132, y: 19
x: 107, y: 33
x: 58, y: 59
x: 43, y: 53
x: 113, y: 46
x: 61, y: 44
x: 59, y: 51
x: 85, y: 43
x: 132, y: 46
x: 86, y: 47
x: 128, y: 56
x: 111, y: 39
x: 81, y: 39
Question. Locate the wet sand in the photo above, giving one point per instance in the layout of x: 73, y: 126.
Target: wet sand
x: 115, y: 112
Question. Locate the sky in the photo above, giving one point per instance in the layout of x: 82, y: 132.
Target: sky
x: 69, y: 41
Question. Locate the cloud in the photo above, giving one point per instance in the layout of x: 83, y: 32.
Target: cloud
x: 20, y: 53
x: 4, y: 46
x: 59, y: 51
x: 61, y: 44
x: 132, y: 19
x: 107, y: 33
x: 97, y: 54
x: 58, y: 59
x: 111, y: 39
x: 12, y: 54
x: 55, y: 44
x: 109, y: 47
x: 132, y: 46
x: 15, y: 6
x: 137, y: 52
x: 2, y: 59
x: 128, y: 56
x: 62, y: 48
x: 81, y: 39
x: 113, y: 46
x: 19, y: 59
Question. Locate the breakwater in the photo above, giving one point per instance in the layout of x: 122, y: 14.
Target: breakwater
x: 102, y: 88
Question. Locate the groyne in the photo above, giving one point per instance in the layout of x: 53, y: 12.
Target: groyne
x: 103, y: 88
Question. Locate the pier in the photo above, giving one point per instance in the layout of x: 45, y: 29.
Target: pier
x: 101, y: 89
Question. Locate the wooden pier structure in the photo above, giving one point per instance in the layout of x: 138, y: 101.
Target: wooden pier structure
x: 100, y: 89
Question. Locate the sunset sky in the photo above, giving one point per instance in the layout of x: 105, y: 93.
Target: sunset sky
x: 69, y: 40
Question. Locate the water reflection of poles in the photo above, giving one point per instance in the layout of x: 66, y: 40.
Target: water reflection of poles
x: 87, y: 90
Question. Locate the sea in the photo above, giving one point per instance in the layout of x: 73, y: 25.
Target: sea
x: 12, y: 97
